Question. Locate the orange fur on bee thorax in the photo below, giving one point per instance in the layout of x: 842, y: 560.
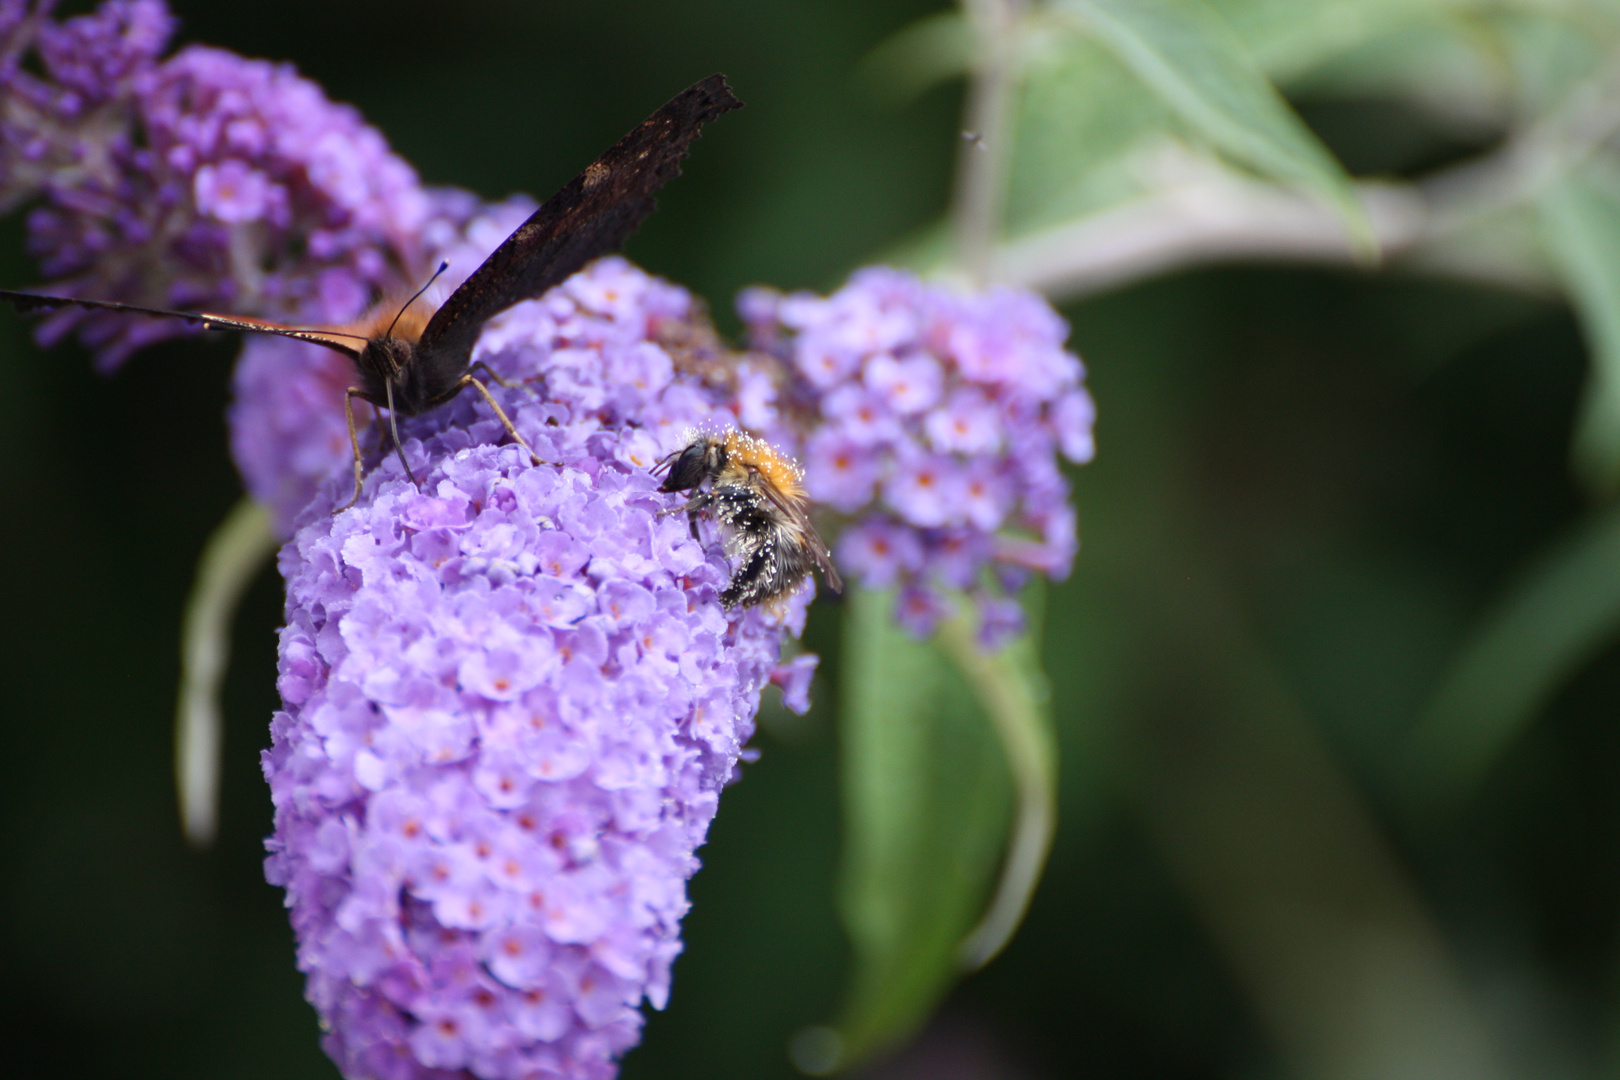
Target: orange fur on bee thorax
x: 761, y: 456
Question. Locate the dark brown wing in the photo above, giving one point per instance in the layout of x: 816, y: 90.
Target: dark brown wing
x: 593, y: 214
x: 347, y: 344
x: 793, y: 510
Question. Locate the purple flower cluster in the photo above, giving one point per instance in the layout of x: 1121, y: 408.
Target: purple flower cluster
x: 200, y: 181
x: 60, y: 126
x: 936, y: 419
x: 511, y: 700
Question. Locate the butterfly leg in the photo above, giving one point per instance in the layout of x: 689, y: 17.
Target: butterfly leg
x: 468, y: 380
x: 489, y: 373
x: 354, y: 443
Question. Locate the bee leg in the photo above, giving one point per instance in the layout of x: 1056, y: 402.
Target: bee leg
x: 694, y: 506
x: 354, y: 443
x: 699, y: 502
x: 468, y: 380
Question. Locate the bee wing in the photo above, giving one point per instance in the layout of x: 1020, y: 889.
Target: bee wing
x: 824, y: 560
x: 794, y: 511
x: 340, y: 342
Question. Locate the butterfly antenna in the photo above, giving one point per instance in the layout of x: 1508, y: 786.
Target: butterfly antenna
x: 443, y: 266
x: 393, y: 429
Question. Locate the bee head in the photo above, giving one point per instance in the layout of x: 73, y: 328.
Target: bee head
x: 703, y: 459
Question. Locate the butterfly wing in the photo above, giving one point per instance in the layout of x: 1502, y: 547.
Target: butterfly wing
x: 348, y: 344
x: 592, y: 215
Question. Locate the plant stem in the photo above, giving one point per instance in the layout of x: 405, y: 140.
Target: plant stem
x: 986, y: 147
x: 1011, y: 692
x: 235, y: 553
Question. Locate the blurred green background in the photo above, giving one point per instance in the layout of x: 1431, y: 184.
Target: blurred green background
x: 1312, y: 485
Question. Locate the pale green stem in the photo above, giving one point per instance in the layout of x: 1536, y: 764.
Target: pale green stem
x: 235, y: 553
x: 986, y: 148
x: 1012, y: 693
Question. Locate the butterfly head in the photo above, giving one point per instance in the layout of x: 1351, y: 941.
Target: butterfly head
x: 391, y: 335
x: 386, y: 357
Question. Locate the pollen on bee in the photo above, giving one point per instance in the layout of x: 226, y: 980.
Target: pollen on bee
x: 761, y: 456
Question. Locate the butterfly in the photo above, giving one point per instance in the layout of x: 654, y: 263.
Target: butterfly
x: 409, y: 364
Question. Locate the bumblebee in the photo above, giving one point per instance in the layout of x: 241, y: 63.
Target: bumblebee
x: 757, y: 498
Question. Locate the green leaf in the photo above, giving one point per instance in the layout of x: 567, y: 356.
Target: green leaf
x: 1288, y: 37
x: 1581, y: 223
x: 1554, y: 620
x: 918, y: 56
x: 926, y: 804
x: 1551, y: 54
x: 1450, y: 70
x: 1194, y: 62
x: 1081, y: 122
